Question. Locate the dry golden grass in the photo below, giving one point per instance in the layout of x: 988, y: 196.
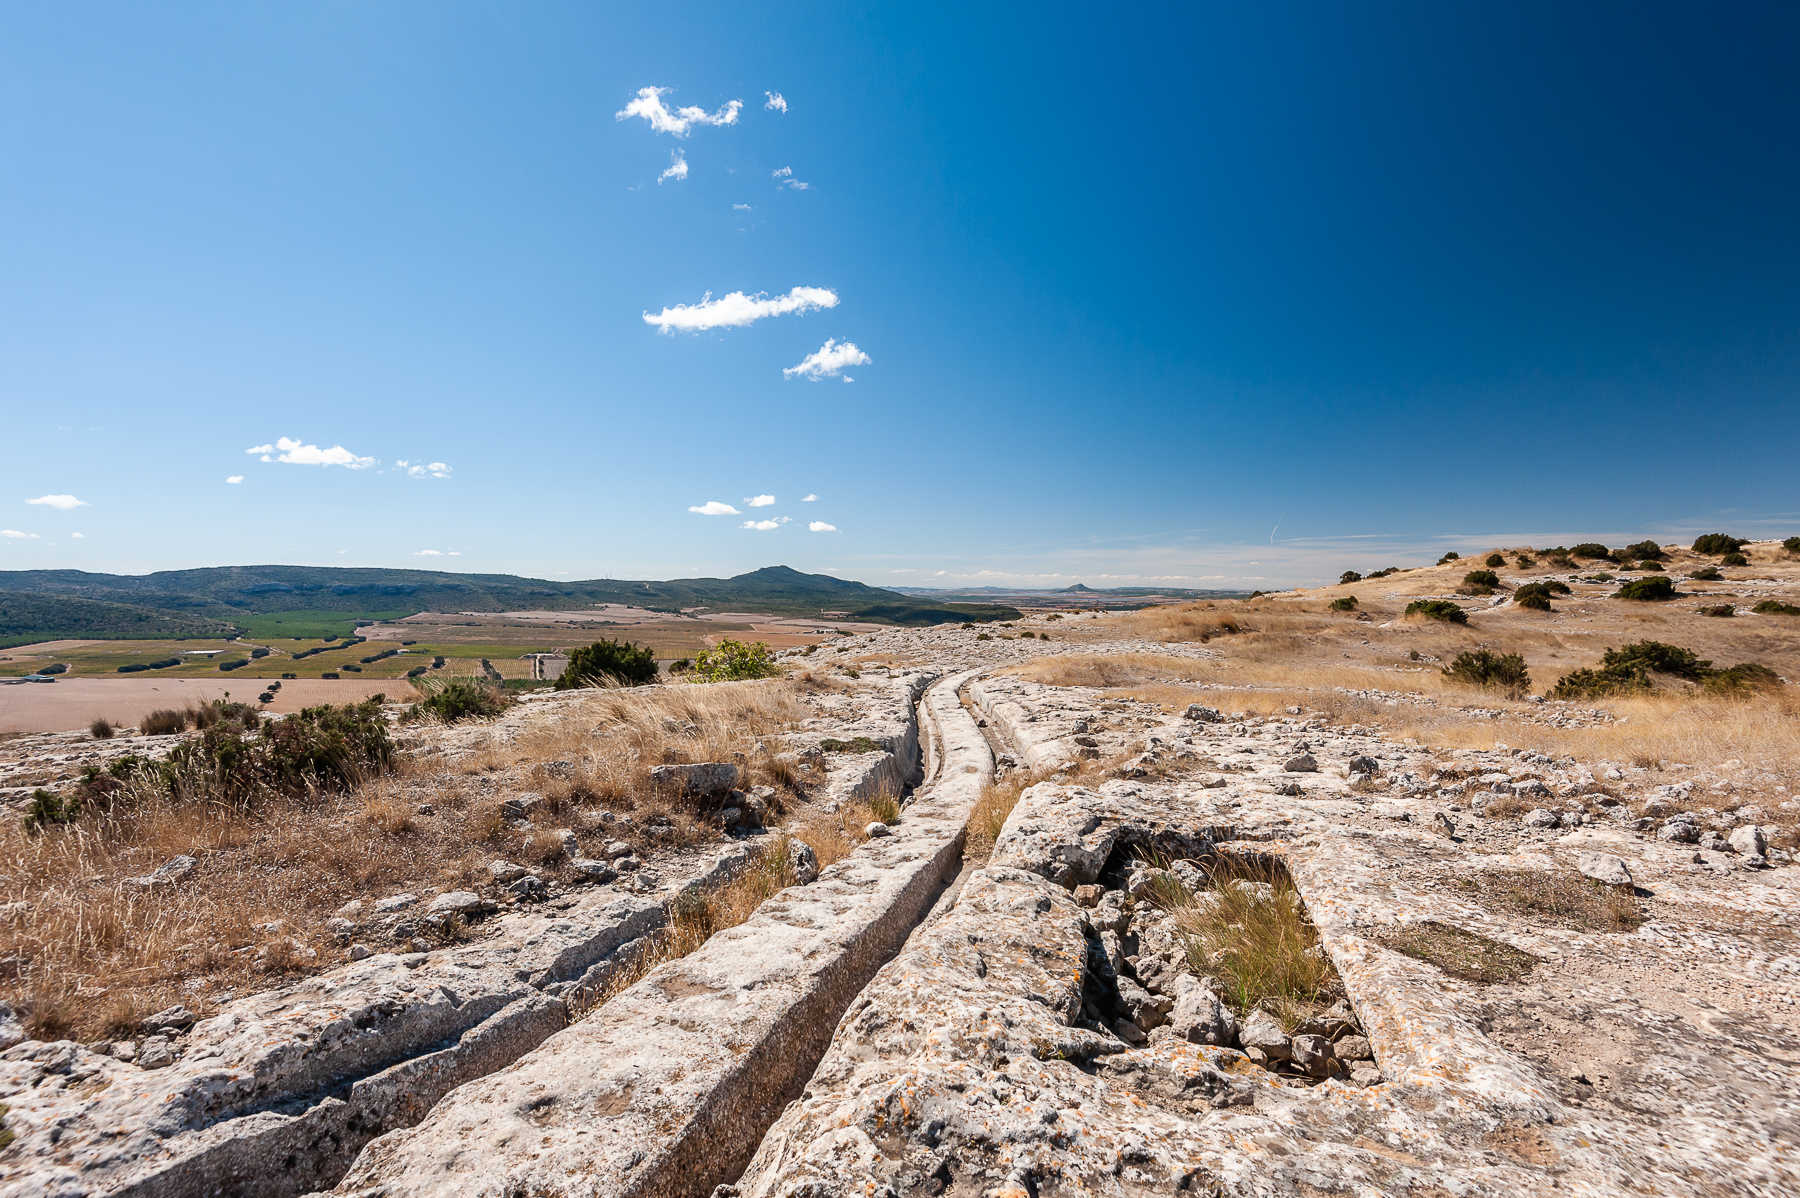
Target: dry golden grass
x: 1460, y: 952
x: 992, y: 807
x: 1259, y: 944
x: 88, y: 956
x: 1560, y: 897
x: 833, y: 835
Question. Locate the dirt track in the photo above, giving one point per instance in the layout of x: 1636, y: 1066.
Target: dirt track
x: 77, y: 702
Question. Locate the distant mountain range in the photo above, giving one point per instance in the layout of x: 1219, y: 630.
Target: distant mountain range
x: 49, y: 604
x: 1080, y: 594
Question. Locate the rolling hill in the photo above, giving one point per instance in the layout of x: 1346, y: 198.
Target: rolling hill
x: 47, y: 604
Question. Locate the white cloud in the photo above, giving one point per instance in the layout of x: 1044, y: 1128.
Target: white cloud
x: 423, y: 469
x: 713, y: 507
x: 776, y: 102
x: 287, y: 449
x: 784, y: 177
x: 456, y: 553
x: 821, y: 526
x: 62, y: 503
x: 831, y: 359
x: 649, y: 105
x: 760, y: 501
x: 677, y: 168
x: 78, y: 536
x: 234, y: 479
x: 766, y: 525
x: 15, y: 535
x: 428, y: 553
x: 810, y: 499
x: 737, y: 309
x: 740, y: 207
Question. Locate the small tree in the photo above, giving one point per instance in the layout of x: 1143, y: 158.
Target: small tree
x: 1792, y: 545
x: 1652, y: 589
x: 1349, y: 576
x: 1495, y: 560
x: 734, y: 661
x: 608, y: 663
x: 1716, y: 543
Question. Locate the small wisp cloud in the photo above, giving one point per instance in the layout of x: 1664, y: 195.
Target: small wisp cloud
x: 768, y: 525
x: 13, y: 534
x: 678, y: 168
x: 775, y: 102
x: 423, y: 469
x: 760, y: 501
x: 737, y: 310
x: 820, y: 526
x: 828, y: 361
x: 784, y: 177
x: 648, y: 104
x: 297, y: 453
x: 62, y: 503
x: 233, y: 479
x: 713, y: 507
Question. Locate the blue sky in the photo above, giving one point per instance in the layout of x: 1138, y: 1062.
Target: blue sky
x: 1199, y: 294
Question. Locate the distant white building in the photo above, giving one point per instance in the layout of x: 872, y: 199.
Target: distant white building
x: 547, y: 667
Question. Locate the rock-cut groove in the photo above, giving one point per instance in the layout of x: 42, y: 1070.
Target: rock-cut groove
x: 668, y: 1089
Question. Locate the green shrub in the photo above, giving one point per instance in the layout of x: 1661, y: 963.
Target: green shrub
x: 1745, y: 676
x: 608, y: 663
x: 235, y: 663
x: 1344, y: 603
x: 1734, y: 559
x: 1657, y: 656
x: 352, y: 667
x: 1598, y: 684
x: 1533, y: 596
x: 1651, y: 565
x: 1590, y: 549
x: 1719, y: 610
x: 1485, y: 580
x: 331, y: 674
x: 1715, y: 543
x: 1706, y: 574
x: 1438, y: 609
x: 451, y: 700
x: 1495, y: 560
x: 733, y: 661
x: 1524, y: 562
x: 1495, y: 671
x: 260, y: 651
x: 328, y: 748
x: 1643, y: 550
x: 1349, y: 576
x: 60, y: 667
x: 162, y: 722
x: 1560, y: 561
x: 1792, y: 545
x: 1647, y: 589
x: 1449, y: 556
x: 1774, y: 607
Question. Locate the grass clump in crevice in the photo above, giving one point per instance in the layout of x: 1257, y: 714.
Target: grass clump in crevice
x: 1559, y: 897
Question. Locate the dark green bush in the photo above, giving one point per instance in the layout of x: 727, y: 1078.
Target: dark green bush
x: 1344, y: 603
x: 1349, y: 576
x: 234, y: 663
x: 352, y: 667
x: 1715, y: 543
x: 1496, y: 671
x: 332, y: 674
x: 1555, y: 586
x: 1525, y: 562
x: 1495, y: 560
x: 1560, y: 561
x: 1449, y: 556
x: 60, y: 667
x: 1647, y: 589
x: 1651, y: 565
x: 734, y: 661
x: 1438, y: 609
x: 1792, y: 545
x: 260, y: 651
x: 315, y: 749
x: 1481, y: 579
x: 460, y: 699
x: 1598, y: 684
x: 1641, y: 550
x: 1719, y: 610
x: 608, y: 663
x: 1745, y: 676
x: 1592, y: 549
x: 1706, y: 574
x: 1734, y: 559
x: 1533, y: 596
x: 1658, y: 657
x: 1774, y: 607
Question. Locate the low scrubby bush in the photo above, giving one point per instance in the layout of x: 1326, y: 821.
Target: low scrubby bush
x: 734, y: 661
x: 101, y: 729
x: 1715, y: 543
x: 1449, y: 556
x: 1533, y: 596
x: 1560, y: 561
x: 459, y: 699
x: 1344, y: 603
x: 234, y: 663
x: 1651, y: 565
x: 608, y: 663
x: 60, y: 667
x: 1481, y: 581
x: 1706, y: 574
x: 1525, y: 562
x: 162, y: 722
x: 1496, y: 560
x: 1719, y: 609
x: 162, y: 663
x: 1792, y: 546
x: 1741, y: 678
x: 1349, y: 576
x: 1734, y: 559
x: 1774, y: 607
x: 1437, y: 609
x: 1646, y: 590
x: 259, y: 652
x: 1495, y: 671
x: 1628, y: 668
x: 1642, y: 551
x: 1590, y: 549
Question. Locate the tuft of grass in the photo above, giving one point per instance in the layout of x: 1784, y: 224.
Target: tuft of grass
x: 1558, y: 897
x: 1259, y: 945
x: 1459, y: 952
x: 101, y: 729
x: 988, y: 817
x: 163, y: 722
